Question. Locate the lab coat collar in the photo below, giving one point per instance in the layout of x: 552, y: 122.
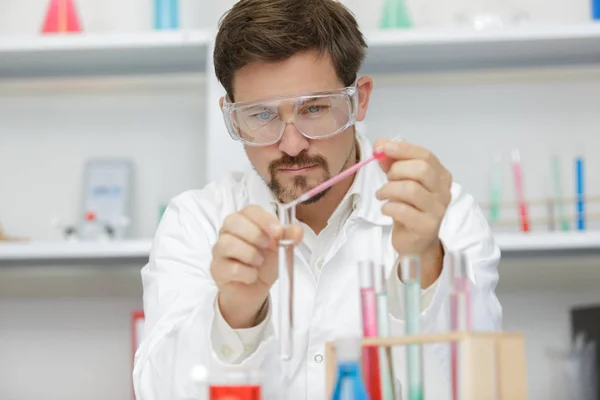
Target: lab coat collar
x: 367, y: 181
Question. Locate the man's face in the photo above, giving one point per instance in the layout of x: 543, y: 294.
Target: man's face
x: 297, y: 164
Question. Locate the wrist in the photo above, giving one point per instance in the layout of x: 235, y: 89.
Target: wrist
x: 242, y: 314
x: 432, y: 261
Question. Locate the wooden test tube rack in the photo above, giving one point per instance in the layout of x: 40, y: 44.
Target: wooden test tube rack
x: 494, y: 363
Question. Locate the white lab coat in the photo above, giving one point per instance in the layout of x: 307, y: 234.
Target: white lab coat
x: 179, y: 293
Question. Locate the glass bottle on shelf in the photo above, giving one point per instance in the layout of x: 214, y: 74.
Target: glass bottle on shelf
x: 490, y: 14
x: 395, y: 15
x: 349, y: 381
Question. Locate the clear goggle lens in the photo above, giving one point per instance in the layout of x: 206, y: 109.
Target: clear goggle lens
x: 315, y: 117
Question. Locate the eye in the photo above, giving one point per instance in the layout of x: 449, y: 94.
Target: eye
x: 315, y: 109
x: 263, y: 115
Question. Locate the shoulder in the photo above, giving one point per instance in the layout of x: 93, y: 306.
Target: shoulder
x: 203, y: 210
x: 464, y: 220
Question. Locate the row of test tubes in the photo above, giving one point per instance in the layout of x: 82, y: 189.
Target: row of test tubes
x: 377, y: 367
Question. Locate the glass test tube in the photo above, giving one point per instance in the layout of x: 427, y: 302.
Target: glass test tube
x: 368, y: 300
x: 460, y: 313
x: 287, y: 216
x: 385, y: 353
x: 461, y: 293
x: 411, y: 276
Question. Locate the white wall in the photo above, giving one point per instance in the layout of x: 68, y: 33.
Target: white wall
x: 71, y: 328
x: 160, y: 129
x: 62, y: 349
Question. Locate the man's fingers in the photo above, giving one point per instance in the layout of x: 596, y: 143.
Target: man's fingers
x: 293, y: 232
x: 230, y: 271
x: 416, y: 170
x: 234, y: 248
x: 407, y: 151
x: 265, y: 221
x: 409, y: 192
x: 241, y: 226
x: 413, y: 219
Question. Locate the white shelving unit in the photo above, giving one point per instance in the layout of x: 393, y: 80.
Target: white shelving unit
x: 74, y: 251
x: 528, y: 260
x: 156, y: 52
x: 511, y: 245
x: 544, y: 242
x: 456, y: 50
x: 395, y: 51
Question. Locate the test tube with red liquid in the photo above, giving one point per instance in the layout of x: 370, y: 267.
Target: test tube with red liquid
x: 368, y: 299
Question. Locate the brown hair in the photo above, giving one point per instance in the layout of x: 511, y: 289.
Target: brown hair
x: 275, y: 30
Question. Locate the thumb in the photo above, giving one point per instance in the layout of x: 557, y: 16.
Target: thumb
x: 294, y: 232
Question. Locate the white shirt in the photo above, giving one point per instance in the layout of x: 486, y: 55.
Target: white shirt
x: 184, y: 328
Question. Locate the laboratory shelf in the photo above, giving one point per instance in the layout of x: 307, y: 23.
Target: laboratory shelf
x: 549, y: 261
x: 548, y: 242
x: 390, y: 52
x: 449, y: 50
x: 539, y: 261
x: 87, y: 54
x: 134, y: 250
x: 513, y: 245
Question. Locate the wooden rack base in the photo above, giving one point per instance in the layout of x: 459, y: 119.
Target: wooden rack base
x: 494, y: 363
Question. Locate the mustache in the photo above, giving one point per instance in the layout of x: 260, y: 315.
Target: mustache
x: 301, y: 160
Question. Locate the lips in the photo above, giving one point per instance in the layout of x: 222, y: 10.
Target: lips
x: 297, y: 169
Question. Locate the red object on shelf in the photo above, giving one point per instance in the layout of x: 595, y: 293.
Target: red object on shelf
x: 90, y: 216
x: 61, y: 17
x: 137, y: 324
x: 250, y: 392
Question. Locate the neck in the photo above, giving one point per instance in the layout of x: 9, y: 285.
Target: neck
x: 317, y: 214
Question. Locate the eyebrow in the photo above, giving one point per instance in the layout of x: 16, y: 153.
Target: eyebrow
x: 310, y: 100
x: 259, y: 107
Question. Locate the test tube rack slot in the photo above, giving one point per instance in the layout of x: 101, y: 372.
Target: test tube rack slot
x: 494, y: 363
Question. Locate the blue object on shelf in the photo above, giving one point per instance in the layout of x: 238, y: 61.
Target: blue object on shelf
x: 166, y: 14
x: 596, y: 9
x: 349, y: 382
x: 579, y: 166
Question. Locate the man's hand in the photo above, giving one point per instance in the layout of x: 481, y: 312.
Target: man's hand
x: 417, y: 194
x: 244, y: 264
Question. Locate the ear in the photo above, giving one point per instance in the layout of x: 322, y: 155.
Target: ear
x: 365, y: 87
x: 221, y: 101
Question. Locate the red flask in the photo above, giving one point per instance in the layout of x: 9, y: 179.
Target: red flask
x: 61, y: 17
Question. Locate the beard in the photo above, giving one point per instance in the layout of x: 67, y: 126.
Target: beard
x: 299, y: 184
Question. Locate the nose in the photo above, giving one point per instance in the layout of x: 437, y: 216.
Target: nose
x: 292, y: 142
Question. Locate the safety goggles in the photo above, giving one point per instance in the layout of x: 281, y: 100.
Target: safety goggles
x: 315, y: 115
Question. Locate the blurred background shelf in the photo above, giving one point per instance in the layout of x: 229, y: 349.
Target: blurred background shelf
x: 420, y: 50
x: 512, y: 245
x: 534, y: 261
x: 127, y: 250
x: 390, y: 52
x: 81, y: 55
x: 518, y: 244
x: 560, y: 261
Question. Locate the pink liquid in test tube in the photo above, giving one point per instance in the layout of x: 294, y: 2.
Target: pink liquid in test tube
x: 368, y: 300
x: 460, y: 312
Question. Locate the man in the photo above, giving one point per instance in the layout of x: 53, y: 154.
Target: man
x: 210, y: 289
